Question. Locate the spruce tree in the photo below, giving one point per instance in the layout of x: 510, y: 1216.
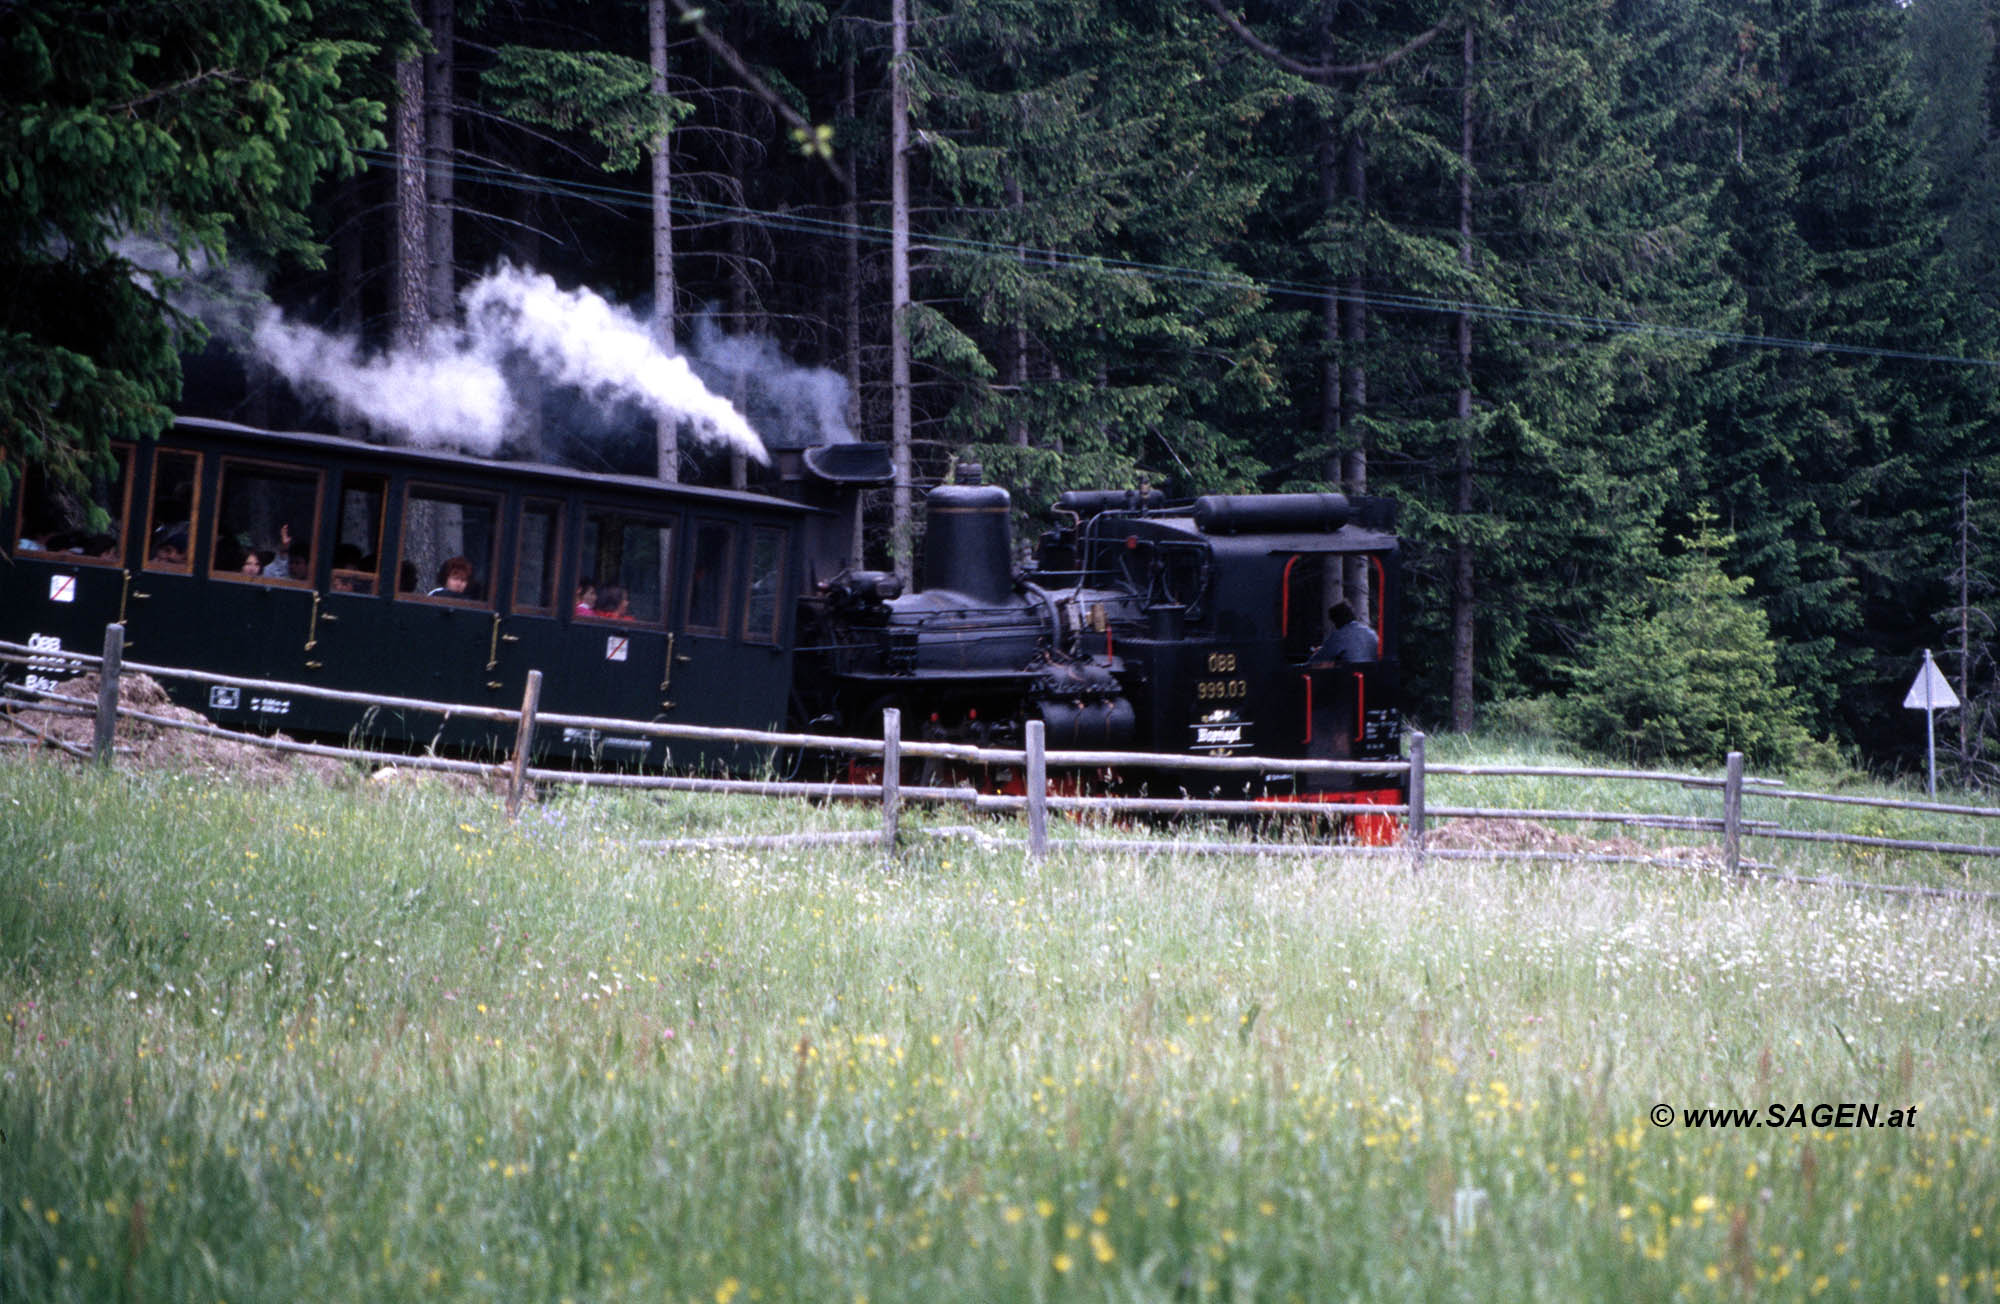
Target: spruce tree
x: 1685, y: 672
x: 1836, y: 434
x: 203, y: 128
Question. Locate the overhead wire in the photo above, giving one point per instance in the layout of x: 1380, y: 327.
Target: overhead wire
x: 806, y: 224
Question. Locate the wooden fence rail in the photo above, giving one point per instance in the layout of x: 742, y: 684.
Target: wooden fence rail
x: 1033, y: 759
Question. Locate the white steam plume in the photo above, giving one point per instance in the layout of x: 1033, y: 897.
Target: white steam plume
x: 794, y: 406
x: 576, y: 338
x: 452, y: 391
x: 443, y: 395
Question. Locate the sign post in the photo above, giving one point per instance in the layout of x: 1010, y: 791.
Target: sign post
x: 1930, y: 694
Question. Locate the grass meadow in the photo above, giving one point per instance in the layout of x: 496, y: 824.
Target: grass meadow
x: 350, y: 1042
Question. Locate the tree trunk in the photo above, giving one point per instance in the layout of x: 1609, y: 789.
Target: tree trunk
x: 850, y: 212
x: 1354, y: 367
x: 439, y: 156
x: 899, y: 289
x: 409, y: 308
x: 348, y: 258
x: 666, y: 430
x: 1463, y: 610
x: 742, y: 293
x: 1332, y: 403
x: 1016, y: 374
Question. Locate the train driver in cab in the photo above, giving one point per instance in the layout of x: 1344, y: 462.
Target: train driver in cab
x: 1350, y: 639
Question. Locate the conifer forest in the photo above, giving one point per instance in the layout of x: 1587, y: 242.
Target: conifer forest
x: 1672, y: 328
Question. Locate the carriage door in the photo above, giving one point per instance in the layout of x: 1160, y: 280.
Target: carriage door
x: 261, y: 599
x: 164, y: 624
x: 766, y: 661
x: 708, y: 681
x: 622, y: 648
x: 444, y: 628
x: 531, y: 637
x: 353, y: 629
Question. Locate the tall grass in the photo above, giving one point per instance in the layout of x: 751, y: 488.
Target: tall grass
x: 303, y: 1042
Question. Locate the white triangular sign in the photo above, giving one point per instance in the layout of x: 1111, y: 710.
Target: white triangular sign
x: 1929, y: 691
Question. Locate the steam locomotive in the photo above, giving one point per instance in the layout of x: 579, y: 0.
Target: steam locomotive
x: 1136, y: 626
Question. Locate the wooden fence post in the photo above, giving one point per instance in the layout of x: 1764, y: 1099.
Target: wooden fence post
x: 1038, y: 790
x: 107, y: 695
x: 1415, y: 834
x: 1732, y: 814
x: 892, y: 774
x: 524, y: 739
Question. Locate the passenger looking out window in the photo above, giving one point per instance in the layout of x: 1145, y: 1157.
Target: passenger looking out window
x: 450, y: 538
x: 455, y: 579
x: 628, y: 558
x: 612, y: 603
x: 170, y: 546
x: 265, y: 521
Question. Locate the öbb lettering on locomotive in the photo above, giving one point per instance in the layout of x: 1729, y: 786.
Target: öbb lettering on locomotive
x: 1137, y: 625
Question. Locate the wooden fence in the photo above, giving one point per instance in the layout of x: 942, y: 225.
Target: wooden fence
x: 1033, y: 760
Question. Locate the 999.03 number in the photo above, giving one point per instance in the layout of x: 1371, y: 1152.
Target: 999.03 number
x: 1216, y: 690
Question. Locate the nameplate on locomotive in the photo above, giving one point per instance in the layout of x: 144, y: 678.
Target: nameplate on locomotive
x: 1219, y: 731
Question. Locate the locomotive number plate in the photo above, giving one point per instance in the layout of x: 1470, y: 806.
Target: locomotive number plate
x: 1221, y: 690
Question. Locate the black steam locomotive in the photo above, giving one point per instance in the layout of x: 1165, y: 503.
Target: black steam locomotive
x: 1137, y: 626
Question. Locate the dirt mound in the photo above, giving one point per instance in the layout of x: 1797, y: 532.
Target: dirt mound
x: 1474, y: 834
x: 149, y: 745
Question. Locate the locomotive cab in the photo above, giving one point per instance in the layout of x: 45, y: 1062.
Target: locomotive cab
x: 1227, y: 649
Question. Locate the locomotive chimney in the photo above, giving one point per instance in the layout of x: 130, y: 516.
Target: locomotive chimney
x: 968, y: 542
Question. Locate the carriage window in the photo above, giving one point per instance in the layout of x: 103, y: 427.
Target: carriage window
x: 449, y: 539
x: 85, y: 524
x: 170, y: 523
x: 535, y: 564
x: 762, y: 611
x: 357, y: 538
x: 626, y: 561
x: 708, y: 587
x: 265, y: 521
